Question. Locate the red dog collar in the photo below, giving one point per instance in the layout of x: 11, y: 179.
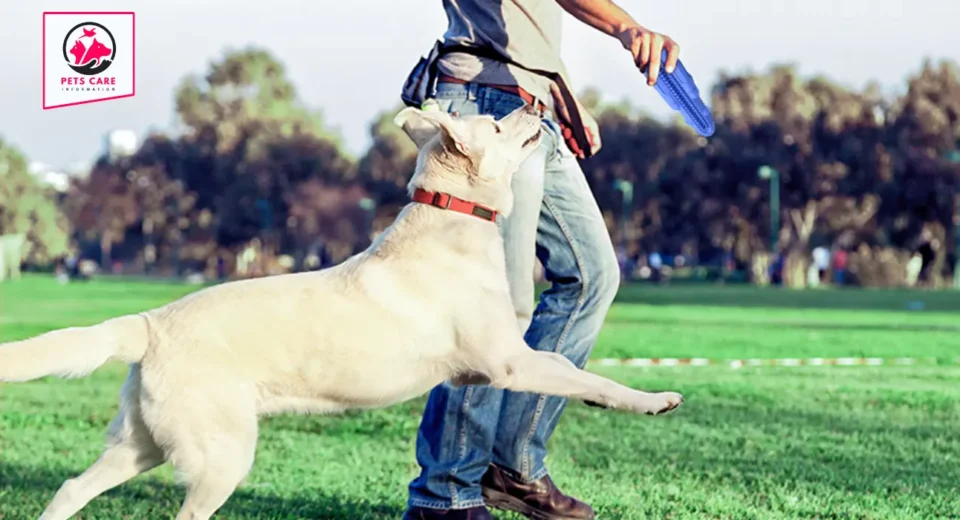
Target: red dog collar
x: 447, y: 201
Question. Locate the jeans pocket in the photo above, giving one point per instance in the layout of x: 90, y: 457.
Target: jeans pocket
x: 559, y: 151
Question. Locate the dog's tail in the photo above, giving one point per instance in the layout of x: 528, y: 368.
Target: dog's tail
x: 76, y: 351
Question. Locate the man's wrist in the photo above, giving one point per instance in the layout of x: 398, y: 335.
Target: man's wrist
x: 626, y: 33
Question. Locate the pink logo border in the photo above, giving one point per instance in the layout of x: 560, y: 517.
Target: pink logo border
x: 133, y: 52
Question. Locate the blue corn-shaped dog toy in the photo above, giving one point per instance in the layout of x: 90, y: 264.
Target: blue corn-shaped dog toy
x: 680, y: 92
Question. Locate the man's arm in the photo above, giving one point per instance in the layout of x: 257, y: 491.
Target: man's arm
x: 645, y: 45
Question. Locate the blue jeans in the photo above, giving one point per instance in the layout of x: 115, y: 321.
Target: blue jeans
x: 555, y: 219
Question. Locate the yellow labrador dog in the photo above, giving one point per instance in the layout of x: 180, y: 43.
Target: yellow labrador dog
x: 426, y: 303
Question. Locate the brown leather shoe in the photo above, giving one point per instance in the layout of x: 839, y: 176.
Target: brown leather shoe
x: 540, y: 500
x: 422, y: 513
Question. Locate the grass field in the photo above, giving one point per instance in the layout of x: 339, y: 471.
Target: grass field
x: 755, y: 443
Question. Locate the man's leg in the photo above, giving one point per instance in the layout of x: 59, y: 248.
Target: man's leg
x: 458, y: 428
x: 579, y: 260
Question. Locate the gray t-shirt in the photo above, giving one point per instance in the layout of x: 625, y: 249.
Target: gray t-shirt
x: 526, y: 31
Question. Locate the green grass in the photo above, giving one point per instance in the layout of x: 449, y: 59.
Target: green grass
x: 759, y: 443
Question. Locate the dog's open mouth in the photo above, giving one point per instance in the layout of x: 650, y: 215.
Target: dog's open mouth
x: 533, y: 138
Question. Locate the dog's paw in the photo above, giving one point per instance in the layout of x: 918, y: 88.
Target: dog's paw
x: 663, y: 402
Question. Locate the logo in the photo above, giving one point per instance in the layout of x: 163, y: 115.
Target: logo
x: 87, y: 57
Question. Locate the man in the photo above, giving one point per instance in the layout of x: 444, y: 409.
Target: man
x: 477, y: 442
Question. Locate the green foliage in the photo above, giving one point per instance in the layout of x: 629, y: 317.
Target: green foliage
x: 245, y: 122
x: 26, y: 207
x: 247, y: 92
x: 248, y: 149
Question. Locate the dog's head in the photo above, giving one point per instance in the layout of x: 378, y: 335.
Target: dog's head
x: 471, y: 157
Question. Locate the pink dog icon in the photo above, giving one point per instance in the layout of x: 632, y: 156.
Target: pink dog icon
x: 82, y: 55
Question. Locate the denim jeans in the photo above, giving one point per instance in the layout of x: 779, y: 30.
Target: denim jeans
x: 556, y: 219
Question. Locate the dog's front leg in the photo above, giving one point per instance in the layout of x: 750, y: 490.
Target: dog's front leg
x: 549, y: 373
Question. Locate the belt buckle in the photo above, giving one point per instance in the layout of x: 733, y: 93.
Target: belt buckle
x: 538, y: 105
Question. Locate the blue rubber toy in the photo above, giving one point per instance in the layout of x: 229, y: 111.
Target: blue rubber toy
x: 680, y: 92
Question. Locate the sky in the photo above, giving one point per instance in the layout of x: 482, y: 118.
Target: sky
x: 349, y: 58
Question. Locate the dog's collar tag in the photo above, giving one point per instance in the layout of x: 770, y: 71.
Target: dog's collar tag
x: 449, y: 202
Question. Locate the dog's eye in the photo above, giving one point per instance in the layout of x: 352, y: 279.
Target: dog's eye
x: 497, y: 128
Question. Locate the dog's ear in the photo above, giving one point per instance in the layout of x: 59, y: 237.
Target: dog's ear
x: 423, y: 125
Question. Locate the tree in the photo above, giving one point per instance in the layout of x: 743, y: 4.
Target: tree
x: 857, y: 170
x: 327, y: 220
x: 29, y: 208
x: 248, y: 143
x: 387, y: 166
x: 103, y: 206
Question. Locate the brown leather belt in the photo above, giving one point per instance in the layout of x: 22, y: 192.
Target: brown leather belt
x: 510, y: 89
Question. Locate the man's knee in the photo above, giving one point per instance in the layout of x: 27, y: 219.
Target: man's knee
x: 603, y: 277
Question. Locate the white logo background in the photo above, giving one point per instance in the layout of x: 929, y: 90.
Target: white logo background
x: 59, y: 93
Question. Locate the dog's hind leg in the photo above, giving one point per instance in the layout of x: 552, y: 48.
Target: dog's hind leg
x: 130, y: 452
x: 552, y: 374
x: 212, y: 450
x: 227, y: 460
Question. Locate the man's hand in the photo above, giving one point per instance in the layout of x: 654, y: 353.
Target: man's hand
x: 591, y: 128
x: 647, y: 47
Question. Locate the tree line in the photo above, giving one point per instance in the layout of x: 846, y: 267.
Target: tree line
x: 873, y: 174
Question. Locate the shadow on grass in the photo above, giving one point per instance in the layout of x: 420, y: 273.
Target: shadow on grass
x: 146, y: 498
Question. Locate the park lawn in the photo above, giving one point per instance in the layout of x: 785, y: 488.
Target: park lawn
x: 757, y: 443
x: 642, y: 330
